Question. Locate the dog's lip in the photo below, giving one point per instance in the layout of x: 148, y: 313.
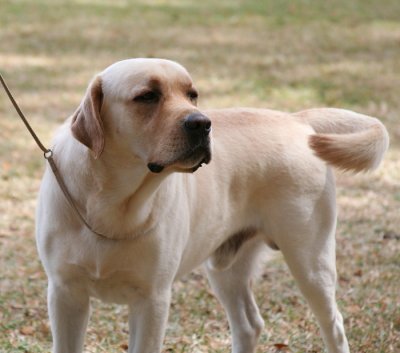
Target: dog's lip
x: 204, y: 161
x: 156, y: 167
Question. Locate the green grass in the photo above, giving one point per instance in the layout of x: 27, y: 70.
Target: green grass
x: 287, y: 55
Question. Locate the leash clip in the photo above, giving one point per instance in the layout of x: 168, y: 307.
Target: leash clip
x: 48, y: 154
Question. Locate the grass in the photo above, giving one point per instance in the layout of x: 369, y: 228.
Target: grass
x: 279, y: 54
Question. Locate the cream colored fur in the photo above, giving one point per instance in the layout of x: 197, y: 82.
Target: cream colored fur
x: 267, y: 174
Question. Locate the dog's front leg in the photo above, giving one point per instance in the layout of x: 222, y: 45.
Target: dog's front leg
x: 68, y: 313
x: 147, y: 322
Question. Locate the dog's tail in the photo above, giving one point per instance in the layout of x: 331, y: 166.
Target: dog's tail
x: 345, y: 139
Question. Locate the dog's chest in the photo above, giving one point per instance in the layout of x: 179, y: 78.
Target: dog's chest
x: 119, y: 288
x: 112, y: 274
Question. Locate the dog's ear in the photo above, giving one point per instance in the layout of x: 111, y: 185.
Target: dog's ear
x: 87, y: 126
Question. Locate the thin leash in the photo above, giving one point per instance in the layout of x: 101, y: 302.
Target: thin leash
x: 48, y: 155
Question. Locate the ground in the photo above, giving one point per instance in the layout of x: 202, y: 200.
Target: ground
x: 285, y: 55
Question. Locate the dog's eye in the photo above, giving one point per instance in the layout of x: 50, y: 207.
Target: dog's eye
x: 193, y: 95
x: 148, y: 97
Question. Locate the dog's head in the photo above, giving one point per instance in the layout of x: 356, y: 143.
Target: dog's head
x: 147, y: 108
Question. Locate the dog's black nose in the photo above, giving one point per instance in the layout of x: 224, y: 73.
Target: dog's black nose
x: 198, y: 124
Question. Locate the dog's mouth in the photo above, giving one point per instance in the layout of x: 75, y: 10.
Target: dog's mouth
x: 200, y: 157
x: 189, y: 162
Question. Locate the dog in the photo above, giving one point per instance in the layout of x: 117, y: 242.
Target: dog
x: 131, y: 156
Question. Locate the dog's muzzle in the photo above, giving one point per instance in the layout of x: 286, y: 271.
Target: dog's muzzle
x: 197, y: 128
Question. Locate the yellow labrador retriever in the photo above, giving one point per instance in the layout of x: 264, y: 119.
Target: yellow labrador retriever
x: 130, y: 156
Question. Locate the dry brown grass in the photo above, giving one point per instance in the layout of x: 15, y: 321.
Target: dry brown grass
x: 278, y: 54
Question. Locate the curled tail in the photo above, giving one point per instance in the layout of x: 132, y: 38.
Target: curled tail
x: 345, y: 139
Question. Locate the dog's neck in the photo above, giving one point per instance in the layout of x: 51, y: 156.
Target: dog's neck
x: 123, y: 199
x: 116, y: 195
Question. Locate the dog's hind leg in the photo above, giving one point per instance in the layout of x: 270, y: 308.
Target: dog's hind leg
x: 232, y: 287
x: 307, y: 241
x: 313, y: 267
x: 68, y: 313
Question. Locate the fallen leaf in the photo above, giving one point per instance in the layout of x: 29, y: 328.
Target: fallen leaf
x: 353, y: 309
x: 124, y: 346
x: 391, y: 235
x: 281, y: 347
x: 44, y: 328
x: 27, y: 330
